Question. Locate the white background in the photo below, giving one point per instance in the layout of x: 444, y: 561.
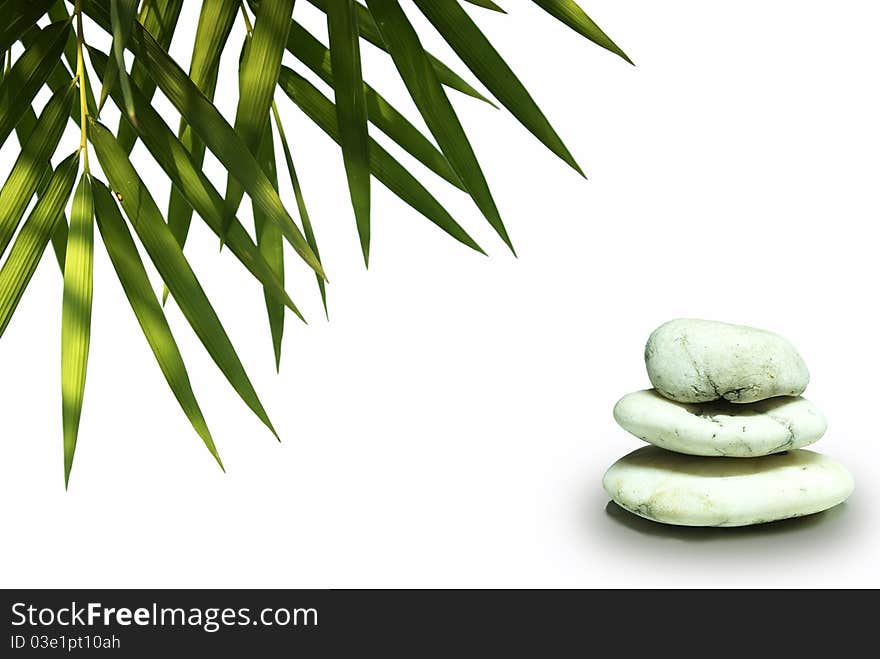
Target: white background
x: 451, y: 424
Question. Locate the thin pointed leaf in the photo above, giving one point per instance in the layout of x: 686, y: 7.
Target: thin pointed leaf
x: 123, y: 13
x: 478, y: 54
x: 370, y: 32
x: 28, y: 74
x: 487, y: 4
x: 29, y: 167
x: 76, y: 316
x: 351, y: 110
x: 311, y: 52
x: 384, y: 167
x: 18, y: 17
x: 23, y: 130
x: 61, y: 76
x: 570, y: 13
x: 173, y: 267
x: 210, y: 125
x: 58, y: 12
x: 197, y: 190
x: 159, y: 19
x: 427, y: 93
x: 215, y: 23
x: 136, y: 284
x: 257, y: 80
x: 59, y: 234
x: 31, y: 241
x: 271, y: 243
x: 301, y: 204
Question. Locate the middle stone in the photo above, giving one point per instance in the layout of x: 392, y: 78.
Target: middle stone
x: 721, y: 428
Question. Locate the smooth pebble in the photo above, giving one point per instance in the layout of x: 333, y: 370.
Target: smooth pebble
x: 720, y: 427
x: 695, y: 361
x: 686, y: 490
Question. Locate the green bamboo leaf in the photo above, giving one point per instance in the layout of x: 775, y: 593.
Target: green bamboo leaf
x: 136, y: 284
x: 311, y: 52
x: 59, y: 234
x: 58, y: 12
x: 18, y: 17
x: 23, y: 131
x: 384, y: 167
x: 159, y: 19
x: 351, y: 109
x: 300, y: 203
x: 257, y: 80
x: 123, y: 13
x: 76, y: 316
x: 271, y: 243
x: 31, y: 241
x: 194, y: 186
x: 60, y: 76
x: 146, y: 219
x: 210, y: 125
x: 370, y: 32
x: 421, y: 81
x: 487, y: 4
x: 478, y: 54
x: 28, y: 74
x: 215, y: 23
x: 38, y: 147
x: 570, y: 13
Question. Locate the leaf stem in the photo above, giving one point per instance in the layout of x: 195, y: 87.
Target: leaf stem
x: 247, y: 20
x: 81, y: 79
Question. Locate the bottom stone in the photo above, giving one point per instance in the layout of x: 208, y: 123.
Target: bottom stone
x: 688, y: 490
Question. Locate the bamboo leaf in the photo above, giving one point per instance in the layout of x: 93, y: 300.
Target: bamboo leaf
x: 18, y: 17
x: 300, y: 203
x: 31, y: 241
x: 159, y: 19
x: 311, y: 52
x: 76, y: 316
x: 271, y: 243
x: 487, y: 4
x: 23, y: 131
x: 257, y: 80
x: 370, y: 32
x: 195, y: 188
x: 351, y: 110
x: 384, y: 167
x: 570, y: 13
x: 210, y: 125
x: 28, y: 74
x: 146, y: 219
x: 38, y: 147
x: 60, y: 76
x: 421, y: 81
x: 123, y: 13
x: 478, y: 54
x: 215, y: 23
x: 136, y: 284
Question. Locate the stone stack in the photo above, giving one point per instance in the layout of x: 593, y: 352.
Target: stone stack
x: 727, y: 423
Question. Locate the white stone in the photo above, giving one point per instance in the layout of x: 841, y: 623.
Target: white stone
x: 688, y: 490
x: 694, y: 361
x: 720, y: 427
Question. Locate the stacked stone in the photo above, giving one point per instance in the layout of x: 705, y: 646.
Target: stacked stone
x: 727, y: 423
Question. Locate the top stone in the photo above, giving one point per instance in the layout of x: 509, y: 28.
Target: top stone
x: 696, y: 361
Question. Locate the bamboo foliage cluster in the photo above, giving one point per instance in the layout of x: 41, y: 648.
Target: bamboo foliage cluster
x: 52, y: 51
